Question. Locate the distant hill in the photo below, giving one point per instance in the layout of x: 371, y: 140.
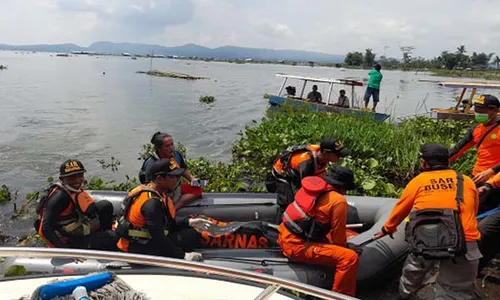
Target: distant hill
x: 226, y: 52
x: 43, y: 47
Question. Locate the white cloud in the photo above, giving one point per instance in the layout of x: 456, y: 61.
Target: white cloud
x: 273, y: 29
x: 320, y: 25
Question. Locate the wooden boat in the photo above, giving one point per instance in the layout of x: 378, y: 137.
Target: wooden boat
x: 296, y: 102
x: 465, y: 112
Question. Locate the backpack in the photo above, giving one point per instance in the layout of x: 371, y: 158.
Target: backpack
x: 436, y: 234
x: 45, y: 195
x: 286, y: 156
x: 299, y: 215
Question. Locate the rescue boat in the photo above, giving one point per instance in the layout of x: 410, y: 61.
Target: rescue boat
x: 165, y: 278
x: 380, y: 258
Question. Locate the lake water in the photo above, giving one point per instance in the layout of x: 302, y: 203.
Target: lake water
x: 54, y: 108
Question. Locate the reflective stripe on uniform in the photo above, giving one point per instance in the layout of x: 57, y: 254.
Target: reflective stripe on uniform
x: 300, y: 211
x: 292, y: 223
x: 142, y: 233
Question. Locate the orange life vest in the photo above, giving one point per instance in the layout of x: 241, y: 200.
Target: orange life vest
x: 131, y: 225
x: 75, y: 219
x: 298, y: 217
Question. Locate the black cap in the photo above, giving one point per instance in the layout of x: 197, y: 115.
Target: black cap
x: 341, y: 176
x: 487, y: 101
x: 71, y: 167
x: 334, y: 145
x: 166, y: 166
x: 435, y: 154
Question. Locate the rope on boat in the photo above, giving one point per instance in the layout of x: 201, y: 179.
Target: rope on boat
x: 117, y: 289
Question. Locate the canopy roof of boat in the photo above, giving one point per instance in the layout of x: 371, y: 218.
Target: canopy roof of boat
x: 473, y: 85
x: 464, y: 86
x: 322, y: 79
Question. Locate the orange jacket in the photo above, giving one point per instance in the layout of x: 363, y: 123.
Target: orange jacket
x: 330, y: 208
x: 437, y: 189
x: 494, y: 181
x: 488, y: 154
x: 135, y: 217
x: 60, y: 215
x: 303, y: 163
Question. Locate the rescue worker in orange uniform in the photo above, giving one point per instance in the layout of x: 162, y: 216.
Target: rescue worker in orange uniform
x: 489, y: 226
x: 436, y: 188
x: 149, y: 216
x: 68, y: 217
x: 486, y: 137
x: 299, y: 162
x: 185, y: 192
x: 313, y: 228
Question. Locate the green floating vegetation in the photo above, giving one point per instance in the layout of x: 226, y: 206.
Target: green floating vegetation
x: 171, y: 74
x: 5, y: 195
x: 266, y: 96
x: 207, y: 99
x: 15, y: 270
x: 384, y: 156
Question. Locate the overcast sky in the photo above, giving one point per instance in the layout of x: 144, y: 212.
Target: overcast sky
x: 320, y: 25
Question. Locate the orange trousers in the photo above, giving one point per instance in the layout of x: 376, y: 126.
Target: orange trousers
x: 343, y: 259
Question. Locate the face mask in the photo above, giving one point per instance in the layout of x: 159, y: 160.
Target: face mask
x: 481, y: 118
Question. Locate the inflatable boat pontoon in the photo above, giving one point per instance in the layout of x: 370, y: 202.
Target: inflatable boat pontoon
x: 378, y: 260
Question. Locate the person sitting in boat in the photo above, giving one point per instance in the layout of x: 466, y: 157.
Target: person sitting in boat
x: 314, y: 95
x: 290, y: 91
x: 343, y: 101
x: 68, y: 217
x: 442, y: 205
x: 184, y: 193
x: 313, y: 228
x: 484, y: 136
x: 149, y: 215
x: 298, y: 162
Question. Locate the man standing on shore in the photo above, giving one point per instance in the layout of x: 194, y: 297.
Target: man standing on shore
x: 373, y: 88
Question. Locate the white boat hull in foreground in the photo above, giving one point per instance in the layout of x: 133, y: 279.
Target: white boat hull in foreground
x: 181, y: 279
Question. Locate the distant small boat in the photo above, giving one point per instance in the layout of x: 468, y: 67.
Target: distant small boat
x: 296, y: 102
x: 62, y: 54
x: 465, y: 113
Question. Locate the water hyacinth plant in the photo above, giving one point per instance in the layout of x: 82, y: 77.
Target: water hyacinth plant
x: 384, y: 156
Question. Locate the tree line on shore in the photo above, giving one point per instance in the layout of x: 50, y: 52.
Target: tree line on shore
x: 459, y: 59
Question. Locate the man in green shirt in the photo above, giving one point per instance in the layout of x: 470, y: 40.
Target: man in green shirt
x: 373, y: 88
